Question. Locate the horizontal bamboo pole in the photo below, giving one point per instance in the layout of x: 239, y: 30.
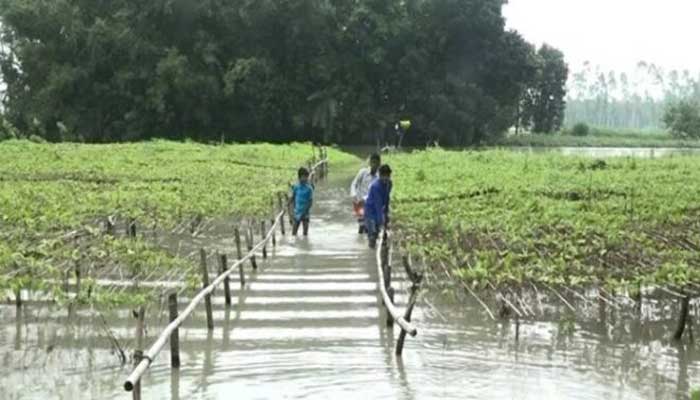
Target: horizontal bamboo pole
x: 156, y: 348
x: 395, y: 313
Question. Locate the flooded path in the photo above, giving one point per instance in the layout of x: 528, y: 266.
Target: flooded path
x: 309, y: 326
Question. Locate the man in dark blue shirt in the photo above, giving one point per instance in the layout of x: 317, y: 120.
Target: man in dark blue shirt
x: 377, y: 204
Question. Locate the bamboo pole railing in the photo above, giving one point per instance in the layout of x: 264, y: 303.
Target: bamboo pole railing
x: 134, y: 379
x: 383, y: 250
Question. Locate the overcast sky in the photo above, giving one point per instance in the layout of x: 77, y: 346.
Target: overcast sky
x: 613, y: 33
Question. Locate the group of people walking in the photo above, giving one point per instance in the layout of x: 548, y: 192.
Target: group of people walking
x: 370, y: 192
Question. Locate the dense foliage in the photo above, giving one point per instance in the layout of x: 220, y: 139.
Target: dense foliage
x: 55, y: 200
x: 281, y: 70
x: 682, y: 118
x: 542, y: 103
x: 508, y: 220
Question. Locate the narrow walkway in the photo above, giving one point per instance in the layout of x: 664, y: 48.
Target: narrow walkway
x: 308, y: 324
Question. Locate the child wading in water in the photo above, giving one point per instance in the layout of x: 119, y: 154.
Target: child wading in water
x: 302, y: 198
x: 377, y: 205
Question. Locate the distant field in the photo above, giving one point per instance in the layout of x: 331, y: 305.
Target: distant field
x: 599, y: 137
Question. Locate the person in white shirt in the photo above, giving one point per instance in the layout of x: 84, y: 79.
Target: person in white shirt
x: 359, y: 189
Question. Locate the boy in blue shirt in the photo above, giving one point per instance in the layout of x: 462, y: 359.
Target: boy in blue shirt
x: 302, y: 198
x: 377, y: 204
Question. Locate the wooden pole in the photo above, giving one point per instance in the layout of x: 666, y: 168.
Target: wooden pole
x: 249, y: 244
x: 281, y: 207
x: 387, y: 279
x: 240, y: 256
x: 683, y: 320
x: 274, y: 233
x: 407, y: 315
x: 223, y: 266
x: 263, y: 234
x: 174, y: 337
x: 132, y: 229
x: 18, y: 298
x: 138, y: 354
x: 205, y: 283
x: 287, y: 206
x: 109, y: 226
x: 77, y: 279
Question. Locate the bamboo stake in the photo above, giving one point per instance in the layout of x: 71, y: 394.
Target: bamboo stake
x: 407, y: 326
x: 281, y: 208
x: 262, y: 234
x: 387, y: 279
x: 407, y: 316
x: 205, y: 284
x: 174, y: 336
x: 223, y: 266
x: 109, y: 226
x: 132, y: 229
x: 138, y: 354
x: 249, y: 245
x: 683, y: 320
x: 240, y: 256
x: 274, y: 233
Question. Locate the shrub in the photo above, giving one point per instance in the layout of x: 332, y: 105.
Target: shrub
x: 581, y: 129
x: 683, y: 119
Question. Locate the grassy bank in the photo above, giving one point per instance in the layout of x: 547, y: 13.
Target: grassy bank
x: 599, y: 138
x: 56, y: 198
x: 501, y: 220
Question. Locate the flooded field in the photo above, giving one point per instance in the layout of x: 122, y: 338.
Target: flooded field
x: 309, y: 326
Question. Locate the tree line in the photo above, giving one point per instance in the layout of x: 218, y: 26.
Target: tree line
x: 275, y: 70
x: 641, y: 99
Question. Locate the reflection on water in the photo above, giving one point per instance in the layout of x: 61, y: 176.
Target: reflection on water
x: 599, y: 152
x: 309, y: 326
x: 603, y: 152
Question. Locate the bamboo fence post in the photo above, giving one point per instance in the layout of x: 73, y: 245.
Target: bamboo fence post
x: 131, y: 229
x: 240, y: 256
x: 77, y: 278
x: 109, y: 226
x: 223, y: 266
x: 287, y: 206
x: 387, y: 278
x: 281, y: 207
x: 138, y: 354
x: 249, y: 244
x: 407, y: 316
x: 174, y: 337
x: 263, y: 235
x: 205, y: 283
x: 683, y: 320
x: 274, y: 233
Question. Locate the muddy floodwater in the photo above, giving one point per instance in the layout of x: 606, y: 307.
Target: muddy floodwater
x: 309, y: 326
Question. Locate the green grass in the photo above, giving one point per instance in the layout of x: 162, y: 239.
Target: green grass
x: 508, y: 219
x: 599, y: 137
x: 54, y: 199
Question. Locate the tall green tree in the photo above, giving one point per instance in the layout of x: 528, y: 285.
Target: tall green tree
x: 544, y: 102
x: 275, y: 70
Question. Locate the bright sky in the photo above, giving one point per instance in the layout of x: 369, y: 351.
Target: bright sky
x: 615, y: 34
